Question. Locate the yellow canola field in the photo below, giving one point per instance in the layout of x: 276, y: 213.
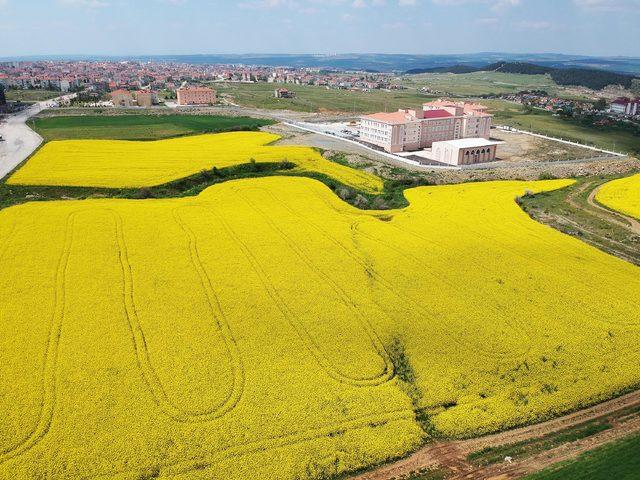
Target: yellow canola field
x: 622, y: 195
x: 123, y: 164
x: 256, y: 331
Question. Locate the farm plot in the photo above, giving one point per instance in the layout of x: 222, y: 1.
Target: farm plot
x: 120, y: 164
x: 622, y: 195
x: 266, y: 329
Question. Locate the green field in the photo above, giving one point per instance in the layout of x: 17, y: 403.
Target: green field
x: 619, y: 461
x: 31, y: 95
x: 480, y: 83
x: 319, y: 99
x: 139, y: 127
x: 539, y: 121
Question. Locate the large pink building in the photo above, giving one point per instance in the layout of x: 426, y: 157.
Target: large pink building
x: 196, y: 96
x: 409, y: 130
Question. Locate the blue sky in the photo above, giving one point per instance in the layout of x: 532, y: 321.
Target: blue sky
x: 123, y: 27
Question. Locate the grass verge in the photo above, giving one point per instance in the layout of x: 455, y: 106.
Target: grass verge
x: 528, y: 448
x: 139, y: 127
x: 568, y: 211
x: 619, y: 460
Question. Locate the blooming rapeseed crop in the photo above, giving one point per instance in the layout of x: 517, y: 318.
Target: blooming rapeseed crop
x: 121, y: 164
x: 622, y: 195
x: 248, y: 332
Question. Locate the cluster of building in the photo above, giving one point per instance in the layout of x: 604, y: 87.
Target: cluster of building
x: 458, y: 133
x: 625, y: 106
x: 141, y: 98
x: 542, y: 100
x: 187, y: 95
x: 622, y: 106
x: 67, y: 76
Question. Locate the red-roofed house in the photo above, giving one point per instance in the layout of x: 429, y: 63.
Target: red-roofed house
x: 409, y: 130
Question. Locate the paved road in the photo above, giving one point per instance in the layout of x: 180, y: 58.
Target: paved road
x: 20, y: 140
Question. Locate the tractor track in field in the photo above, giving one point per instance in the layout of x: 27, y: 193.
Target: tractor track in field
x: 451, y: 456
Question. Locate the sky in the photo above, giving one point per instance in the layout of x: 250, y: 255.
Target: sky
x: 172, y: 27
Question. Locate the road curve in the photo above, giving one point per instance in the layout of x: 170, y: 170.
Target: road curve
x: 20, y: 141
x: 631, y: 222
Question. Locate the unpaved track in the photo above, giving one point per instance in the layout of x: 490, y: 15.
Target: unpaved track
x: 631, y: 222
x: 452, y: 455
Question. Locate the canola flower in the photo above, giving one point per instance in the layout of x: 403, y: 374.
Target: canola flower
x: 622, y: 194
x: 250, y: 332
x: 125, y: 164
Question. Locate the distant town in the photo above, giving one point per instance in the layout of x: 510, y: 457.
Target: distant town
x: 144, y: 84
x: 101, y: 77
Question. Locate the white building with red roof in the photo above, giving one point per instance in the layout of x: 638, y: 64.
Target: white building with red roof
x: 410, y: 130
x: 625, y: 106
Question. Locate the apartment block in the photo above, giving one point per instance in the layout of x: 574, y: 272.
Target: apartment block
x: 122, y: 98
x: 196, y: 96
x: 410, y: 130
x: 146, y: 98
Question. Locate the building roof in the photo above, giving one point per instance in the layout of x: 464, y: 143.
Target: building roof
x: 621, y: 101
x: 468, y: 143
x: 121, y: 92
x: 391, y: 118
x: 473, y: 109
x: 196, y: 89
x: 437, y: 114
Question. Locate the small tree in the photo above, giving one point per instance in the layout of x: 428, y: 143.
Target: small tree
x: 600, y: 104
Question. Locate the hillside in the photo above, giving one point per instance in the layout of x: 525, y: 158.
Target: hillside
x: 584, y: 77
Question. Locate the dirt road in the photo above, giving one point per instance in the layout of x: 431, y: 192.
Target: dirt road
x: 452, y: 455
x: 629, y: 222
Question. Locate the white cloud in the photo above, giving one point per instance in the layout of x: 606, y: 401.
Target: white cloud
x: 535, y: 25
x: 608, y: 5
x: 489, y: 21
x: 85, y: 3
x: 4, y: 3
x: 267, y: 4
x: 407, y: 3
x: 495, y: 5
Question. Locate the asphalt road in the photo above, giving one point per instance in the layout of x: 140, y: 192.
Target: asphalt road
x: 20, y: 140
